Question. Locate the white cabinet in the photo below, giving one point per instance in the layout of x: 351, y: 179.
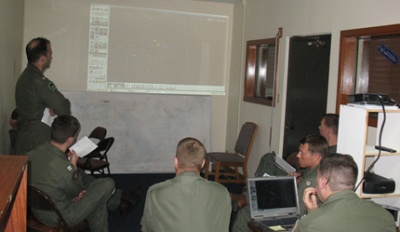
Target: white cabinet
x: 357, y: 139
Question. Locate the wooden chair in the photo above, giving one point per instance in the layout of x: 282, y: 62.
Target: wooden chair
x: 39, y: 200
x: 97, y: 160
x: 227, y: 164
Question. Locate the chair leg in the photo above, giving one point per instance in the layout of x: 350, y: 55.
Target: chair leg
x: 207, y: 169
x: 217, y: 171
x: 237, y: 173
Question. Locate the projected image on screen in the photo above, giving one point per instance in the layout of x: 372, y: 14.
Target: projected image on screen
x: 156, y: 51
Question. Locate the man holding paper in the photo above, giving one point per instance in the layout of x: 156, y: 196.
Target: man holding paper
x: 36, y: 96
x: 78, y: 196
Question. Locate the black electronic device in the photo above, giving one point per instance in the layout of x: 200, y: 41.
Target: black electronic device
x: 369, y: 98
x: 382, y: 148
x: 376, y: 184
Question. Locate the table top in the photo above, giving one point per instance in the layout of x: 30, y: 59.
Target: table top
x: 11, y: 171
x: 258, y: 227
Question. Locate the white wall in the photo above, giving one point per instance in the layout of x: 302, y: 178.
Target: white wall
x: 303, y: 17
x: 10, y: 62
x: 236, y: 87
x: 262, y: 18
x: 219, y: 111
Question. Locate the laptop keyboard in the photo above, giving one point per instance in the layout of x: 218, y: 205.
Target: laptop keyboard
x: 280, y: 221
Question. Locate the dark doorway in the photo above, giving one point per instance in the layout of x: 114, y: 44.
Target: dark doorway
x: 307, y: 88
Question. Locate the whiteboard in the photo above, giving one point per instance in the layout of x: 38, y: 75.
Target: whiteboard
x: 146, y: 127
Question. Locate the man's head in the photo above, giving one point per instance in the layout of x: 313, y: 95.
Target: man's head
x: 39, y: 53
x: 190, y: 154
x: 329, y: 126
x: 14, y: 119
x: 311, y: 150
x: 336, y: 172
x: 63, y: 128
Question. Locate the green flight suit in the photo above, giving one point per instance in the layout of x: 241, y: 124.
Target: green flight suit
x: 243, y: 215
x: 33, y: 94
x: 187, y: 202
x: 345, y: 211
x: 332, y: 149
x: 50, y: 171
x: 309, y: 179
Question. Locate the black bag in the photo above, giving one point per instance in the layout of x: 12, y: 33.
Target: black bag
x: 269, y: 166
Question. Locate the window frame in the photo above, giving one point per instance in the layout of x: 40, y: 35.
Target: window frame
x: 347, y: 80
x: 252, y: 67
x: 348, y: 60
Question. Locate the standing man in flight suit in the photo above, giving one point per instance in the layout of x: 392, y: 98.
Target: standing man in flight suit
x: 33, y: 94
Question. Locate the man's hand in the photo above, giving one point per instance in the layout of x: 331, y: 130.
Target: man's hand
x: 73, y: 158
x: 52, y: 112
x: 79, y: 197
x: 298, y: 176
x: 310, y: 199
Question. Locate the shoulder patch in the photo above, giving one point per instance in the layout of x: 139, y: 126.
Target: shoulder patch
x: 72, y: 170
x: 70, y: 167
x: 52, y: 86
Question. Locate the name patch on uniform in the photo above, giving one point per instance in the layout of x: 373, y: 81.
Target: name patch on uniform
x: 52, y: 86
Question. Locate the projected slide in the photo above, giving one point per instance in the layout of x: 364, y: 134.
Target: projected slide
x: 144, y: 50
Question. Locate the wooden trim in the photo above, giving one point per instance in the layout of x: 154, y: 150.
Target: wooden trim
x: 348, y: 59
x: 13, y: 193
x: 250, y: 70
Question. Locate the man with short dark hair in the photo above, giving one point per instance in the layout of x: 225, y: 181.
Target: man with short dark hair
x: 187, y: 202
x: 78, y: 196
x: 13, y: 132
x: 342, y: 209
x: 329, y: 129
x: 312, y: 149
x: 33, y: 94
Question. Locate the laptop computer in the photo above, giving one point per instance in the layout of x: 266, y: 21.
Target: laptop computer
x: 274, y: 201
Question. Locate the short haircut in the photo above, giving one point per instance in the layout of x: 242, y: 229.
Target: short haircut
x: 36, y: 48
x: 332, y: 121
x: 63, y: 127
x: 14, y: 114
x: 190, y: 153
x: 316, y: 144
x: 340, y: 170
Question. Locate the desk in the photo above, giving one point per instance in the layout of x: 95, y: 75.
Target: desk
x: 256, y: 227
x: 13, y: 192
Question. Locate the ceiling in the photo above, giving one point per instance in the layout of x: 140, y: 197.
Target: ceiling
x: 222, y: 1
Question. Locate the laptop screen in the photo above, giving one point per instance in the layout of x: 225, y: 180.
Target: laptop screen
x: 273, y: 196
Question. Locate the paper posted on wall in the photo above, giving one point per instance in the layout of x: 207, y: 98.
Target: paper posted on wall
x: 83, y: 147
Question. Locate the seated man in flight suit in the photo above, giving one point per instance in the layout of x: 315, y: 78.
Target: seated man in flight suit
x: 312, y: 149
x: 78, y: 196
